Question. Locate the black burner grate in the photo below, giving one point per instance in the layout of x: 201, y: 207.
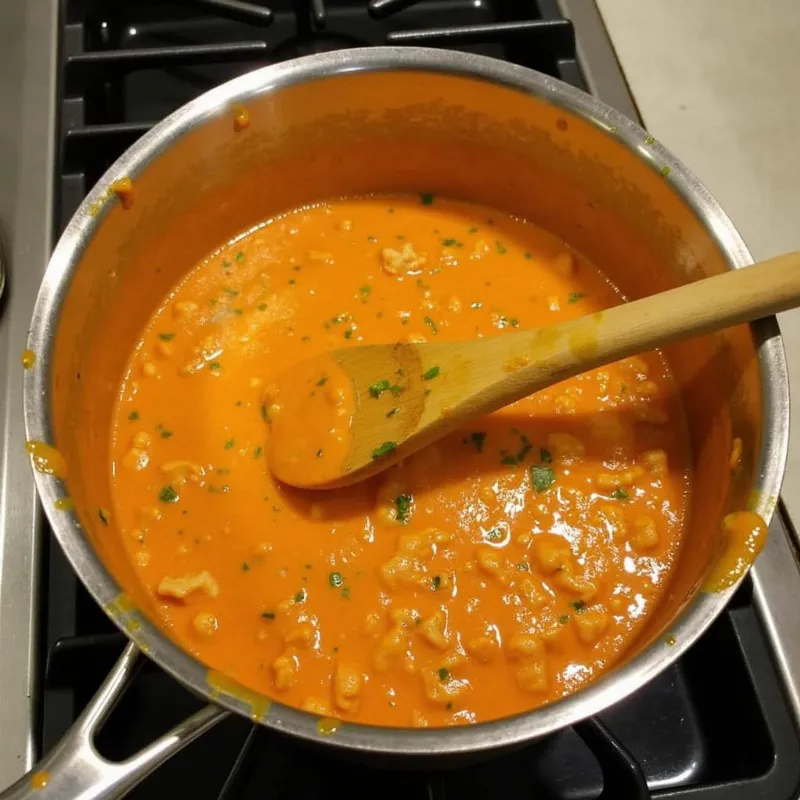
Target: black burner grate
x: 714, y: 726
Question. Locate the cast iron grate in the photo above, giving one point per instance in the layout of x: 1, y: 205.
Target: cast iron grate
x: 714, y: 726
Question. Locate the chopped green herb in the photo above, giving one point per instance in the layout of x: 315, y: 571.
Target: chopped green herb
x: 528, y: 256
x: 495, y: 535
x: 168, y: 495
x: 478, y: 439
x: 432, y: 325
x: 322, y: 381
x: 436, y: 582
x: 545, y: 456
x: 165, y: 434
x: 620, y: 494
x: 239, y: 256
x: 575, y: 296
x: 262, y: 306
x: 563, y: 619
x: 268, y: 614
x: 508, y: 460
x: 523, y: 566
x: 431, y: 373
x: 133, y: 416
x: 300, y: 597
x: 365, y: 291
x: 264, y: 413
x: 473, y: 229
x: 452, y: 243
x: 226, y: 263
x: 258, y: 452
x: 623, y: 388
x: 231, y: 292
x: 579, y: 606
x: 346, y: 592
x: 215, y: 366
x: 166, y: 337
x: 292, y: 282
x: 378, y: 388
x: 103, y: 514
x: 392, y: 411
x: 245, y: 567
x: 385, y: 449
x: 444, y: 673
x: 449, y: 706
x: 542, y: 478
x: 335, y: 579
x: 426, y: 198
x: 500, y: 248
x: 319, y: 453
x: 229, y: 444
x: 403, y: 504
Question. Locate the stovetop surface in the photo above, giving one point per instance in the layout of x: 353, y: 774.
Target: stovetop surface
x: 713, y: 726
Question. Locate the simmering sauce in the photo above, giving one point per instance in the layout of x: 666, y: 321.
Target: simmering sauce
x: 502, y: 568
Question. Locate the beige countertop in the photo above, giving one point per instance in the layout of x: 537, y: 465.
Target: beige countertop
x: 717, y: 82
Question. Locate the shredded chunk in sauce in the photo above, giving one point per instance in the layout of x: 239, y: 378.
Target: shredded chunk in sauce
x: 507, y: 566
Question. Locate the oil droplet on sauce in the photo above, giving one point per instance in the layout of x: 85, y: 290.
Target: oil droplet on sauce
x: 327, y: 726
x: 221, y: 684
x: 744, y: 535
x: 64, y: 504
x: 28, y: 359
x: 46, y: 458
x: 39, y: 780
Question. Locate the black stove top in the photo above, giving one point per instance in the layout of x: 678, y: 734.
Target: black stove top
x: 712, y: 727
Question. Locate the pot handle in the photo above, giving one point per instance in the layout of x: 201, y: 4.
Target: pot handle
x: 74, y: 770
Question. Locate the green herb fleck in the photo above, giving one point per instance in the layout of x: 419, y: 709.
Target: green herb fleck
x: 378, y: 388
x: 579, y: 606
x: 403, y: 504
x: 444, y: 673
x: 387, y: 448
x: 528, y: 256
x: 431, y: 373
x: 436, y: 582
x: 391, y: 412
x: 449, y: 706
x: 478, y: 439
x: 103, y: 514
x: 575, y: 296
x: 264, y: 413
x: 432, y: 325
x: 231, y: 292
x: 292, y: 281
x: 133, y: 416
x: 319, y: 453
x: 262, y: 306
x: 620, y: 494
x: 665, y: 170
x: 322, y: 381
x: 563, y: 619
x: 542, y: 478
x: 452, y: 243
x: 258, y: 452
x: 523, y: 566
x: 500, y: 248
x: 495, y: 535
x: 300, y: 597
x: 215, y: 366
x: 346, y: 592
x: 245, y: 567
x: 426, y: 198
x: 473, y: 229
x: 365, y: 291
x: 239, y: 256
x: 335, y: 579
x: 166, y: 337
x: 168, y: 495
x: 268, y: 615
x: 545, y: 456
x: 229, y: 444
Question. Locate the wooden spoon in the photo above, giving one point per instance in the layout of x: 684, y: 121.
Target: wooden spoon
x: 339, y: 418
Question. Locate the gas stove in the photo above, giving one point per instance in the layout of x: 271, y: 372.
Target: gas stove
x: 80, y: 80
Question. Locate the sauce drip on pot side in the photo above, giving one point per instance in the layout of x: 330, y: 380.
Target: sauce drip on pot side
x: 506, y: 566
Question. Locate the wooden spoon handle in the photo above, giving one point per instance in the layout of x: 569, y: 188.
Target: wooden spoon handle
x: 528, y: 361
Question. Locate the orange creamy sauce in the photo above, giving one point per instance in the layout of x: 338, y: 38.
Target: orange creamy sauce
x: 505, y: 567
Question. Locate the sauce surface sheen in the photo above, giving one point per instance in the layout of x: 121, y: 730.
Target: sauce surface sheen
x: 505, y: 567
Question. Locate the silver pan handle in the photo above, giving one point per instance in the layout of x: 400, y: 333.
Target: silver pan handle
x: 74, y: 770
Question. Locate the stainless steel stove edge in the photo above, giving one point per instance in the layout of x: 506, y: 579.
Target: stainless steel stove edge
x: 28, y: 38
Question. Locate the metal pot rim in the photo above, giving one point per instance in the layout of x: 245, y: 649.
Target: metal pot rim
x: 597, y: 696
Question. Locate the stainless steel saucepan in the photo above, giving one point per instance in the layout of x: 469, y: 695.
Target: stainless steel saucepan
x: 424, y: 120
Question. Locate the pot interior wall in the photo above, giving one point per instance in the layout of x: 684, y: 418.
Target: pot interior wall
x: 399, y: 132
